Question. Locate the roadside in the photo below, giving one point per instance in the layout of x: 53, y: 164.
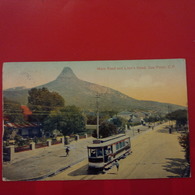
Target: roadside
x: 156, y: 154
x: 50, y: 161
x: 45, y: 161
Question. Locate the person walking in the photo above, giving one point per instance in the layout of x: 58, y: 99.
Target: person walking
x: 116, y: 164
x: 67, y: 151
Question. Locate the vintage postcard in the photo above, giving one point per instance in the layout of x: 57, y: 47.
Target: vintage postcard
x: 95, y: 120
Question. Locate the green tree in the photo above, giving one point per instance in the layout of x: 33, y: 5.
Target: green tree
x: 179, y: 115
x: 106, y: 129
x: 92, y: 119
x: 185, y: 143
x: 69, y: 120
x: 42, y: 102
x: 109, y: 113
x: 152, y: 119
x: 12, y: 111
x: 119, y: 122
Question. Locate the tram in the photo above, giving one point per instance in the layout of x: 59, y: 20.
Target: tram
x: 104, y: 151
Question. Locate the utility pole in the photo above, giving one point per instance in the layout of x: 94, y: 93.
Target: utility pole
x: 169, y: 111
x: 98, y: 117
x: 168, y: 107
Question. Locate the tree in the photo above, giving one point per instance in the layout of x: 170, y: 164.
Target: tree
x: 153, y: 118
x: 69, y: 120
x: 179, y: 115
x: 92, y: 119
x: 42, y: 102
x: 119, y: 122
x: 106, y: 129
x: 109, y: 113
x: 12, y: 111
x: 185, y: 143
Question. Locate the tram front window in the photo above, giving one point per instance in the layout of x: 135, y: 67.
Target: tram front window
x: 99, y: 152
x: 93, y: 152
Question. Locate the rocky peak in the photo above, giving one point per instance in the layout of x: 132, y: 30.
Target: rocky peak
x: 66, y: 73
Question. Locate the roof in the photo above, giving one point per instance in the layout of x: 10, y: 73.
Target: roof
x: 26, y: 110
x: 21, y: 125
x: 110, y: 141
x: 106, y: 139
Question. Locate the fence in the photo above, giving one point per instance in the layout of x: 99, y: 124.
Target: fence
x: 41, y: 145
x: 6, y: 156
x: 54, y: 142
x: 72, y: 138
x: 11, y: 152
x: 77, y: 137
x: 82, y: 136
x: 22, y: 148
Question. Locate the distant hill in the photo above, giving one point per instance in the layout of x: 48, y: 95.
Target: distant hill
x: 83, y: 94
x: 16, y: 88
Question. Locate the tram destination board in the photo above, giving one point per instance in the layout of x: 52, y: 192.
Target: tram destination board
x: 95, y: 120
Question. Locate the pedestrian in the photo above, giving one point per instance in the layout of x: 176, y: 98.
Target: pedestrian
x: 116, y: 164
x: 67, y: 151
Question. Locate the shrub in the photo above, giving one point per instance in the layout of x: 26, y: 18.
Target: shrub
x: 185, y: 144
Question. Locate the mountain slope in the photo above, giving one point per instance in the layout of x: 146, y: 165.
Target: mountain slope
x: 83, y: 94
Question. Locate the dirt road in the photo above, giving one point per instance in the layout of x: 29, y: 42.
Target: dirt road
x: 156, y: 154
x: 46, y: 161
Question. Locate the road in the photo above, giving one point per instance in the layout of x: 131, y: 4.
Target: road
x: 156, y: 154
x: 46, y: 161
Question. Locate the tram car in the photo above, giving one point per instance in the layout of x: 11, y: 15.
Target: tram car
x: 104, y: 151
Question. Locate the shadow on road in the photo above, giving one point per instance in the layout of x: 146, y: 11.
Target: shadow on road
x: 83, y: 171
x: 112, y: 173
x: 166, y: 130
x: 176, y: 166
x: 163, y: 130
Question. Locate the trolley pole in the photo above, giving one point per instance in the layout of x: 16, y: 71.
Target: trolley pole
x: 98, y: 117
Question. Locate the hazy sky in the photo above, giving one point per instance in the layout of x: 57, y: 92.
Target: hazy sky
x: 158, y: 80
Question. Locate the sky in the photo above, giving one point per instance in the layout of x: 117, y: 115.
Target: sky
x: 156, y: 80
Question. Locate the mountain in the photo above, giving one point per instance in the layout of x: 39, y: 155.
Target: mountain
x: 16, y: 88
x: 83, y: 94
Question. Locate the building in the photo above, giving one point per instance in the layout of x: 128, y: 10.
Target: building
x: 25, y: 129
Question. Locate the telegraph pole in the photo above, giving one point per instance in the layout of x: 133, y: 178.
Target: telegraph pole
x: 98, y: 117
x: 169, y: 113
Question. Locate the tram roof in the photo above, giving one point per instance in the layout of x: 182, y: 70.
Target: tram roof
x: 102, y: 140
x: 110, y: 141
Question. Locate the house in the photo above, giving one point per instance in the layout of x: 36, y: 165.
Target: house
x: 25, y: 129
x: 134, y: 117
x: 125, y: 114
